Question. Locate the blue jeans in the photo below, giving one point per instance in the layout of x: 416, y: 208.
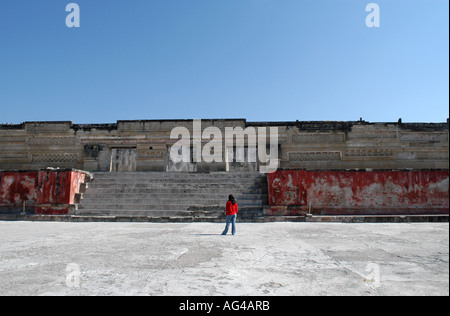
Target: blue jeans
x: 230, y: 219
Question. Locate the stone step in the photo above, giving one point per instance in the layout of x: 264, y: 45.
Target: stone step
x: 238, y: 194
x: 216, y: 193
x: 120, y: 203
x: 194, y: 179
x: 180, y: 181
x: 167, y: 213
x: 172, y: 194
x: 167, y: 183
x: 149, y: 207
x: 166, y: 200
x: 131, y: 212
x: 175, y: 175
x: 184, y: 195
x: 178, y: 190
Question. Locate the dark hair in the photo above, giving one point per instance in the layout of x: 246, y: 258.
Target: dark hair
x: 231, y: 199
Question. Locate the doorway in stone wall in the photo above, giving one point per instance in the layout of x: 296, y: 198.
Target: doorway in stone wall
x: 123, y: 160
x: 182, y: 166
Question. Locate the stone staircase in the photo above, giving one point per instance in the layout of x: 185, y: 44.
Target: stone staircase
x: 165, y: 194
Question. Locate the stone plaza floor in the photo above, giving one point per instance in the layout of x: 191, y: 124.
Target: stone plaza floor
x: 263, y: 259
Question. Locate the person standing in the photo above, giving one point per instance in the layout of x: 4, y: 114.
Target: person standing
x: 231, y: 212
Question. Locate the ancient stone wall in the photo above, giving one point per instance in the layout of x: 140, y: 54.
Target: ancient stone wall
x: 145, y: 146
x: 41, y: 191
x: 299, y: 192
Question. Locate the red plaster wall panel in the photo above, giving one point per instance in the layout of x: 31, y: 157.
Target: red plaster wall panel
x: 57, y: 190
x: 284, y: 188
x: 54, y: 187
x: 362, y: 192
x: 375, y: 190
x: 76, y: 179
x: 47, y: 191
x: 17, y: 187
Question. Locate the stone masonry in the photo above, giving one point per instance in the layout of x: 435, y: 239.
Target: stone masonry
x: 128, y: 146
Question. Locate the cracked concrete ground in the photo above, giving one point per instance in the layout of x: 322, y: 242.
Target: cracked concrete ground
x: 40, y: 258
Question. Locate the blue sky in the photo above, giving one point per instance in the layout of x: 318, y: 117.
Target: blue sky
x: 263, y: 60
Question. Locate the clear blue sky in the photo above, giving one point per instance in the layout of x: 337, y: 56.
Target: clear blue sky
x: 263, y: 60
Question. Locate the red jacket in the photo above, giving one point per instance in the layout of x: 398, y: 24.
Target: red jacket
x: 231, y: 209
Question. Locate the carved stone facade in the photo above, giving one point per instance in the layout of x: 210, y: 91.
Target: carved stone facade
x: 145, y: 145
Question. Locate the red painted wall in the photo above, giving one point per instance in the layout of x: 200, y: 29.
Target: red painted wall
x: 291, y: 192
x: 16, y: 187
x: 44, y: 191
